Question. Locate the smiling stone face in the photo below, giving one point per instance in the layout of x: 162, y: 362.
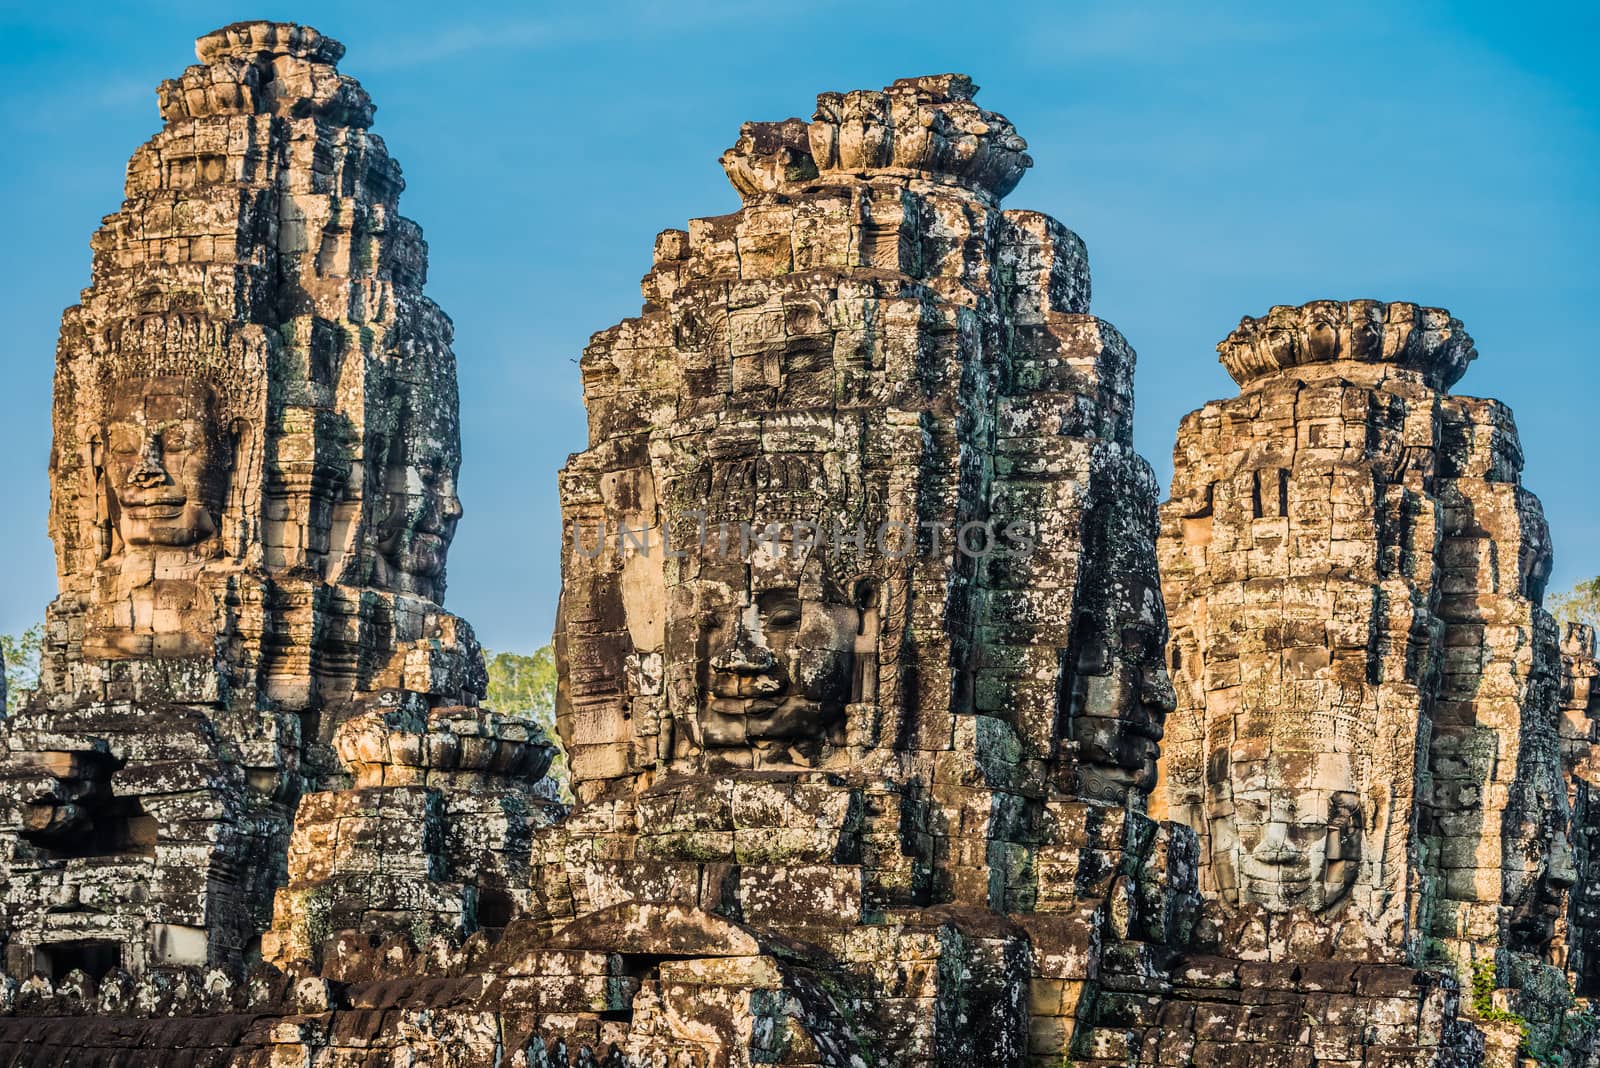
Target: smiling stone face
x: 1119, y: 689
x: 1538, y: 898
x: 777, y: 673
x: 417, y: 519
x: 1122, y: 696
x: 1285, y: 828
x: 418, y: 508
x: 164, y: 463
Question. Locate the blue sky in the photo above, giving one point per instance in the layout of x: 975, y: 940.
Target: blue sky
x: 1218, y: 159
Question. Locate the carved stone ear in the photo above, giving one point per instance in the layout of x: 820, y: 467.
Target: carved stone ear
x: 101, y: 498
x: 868, y: 600
x: 238, y: 444
x: 867, y: 596
x: 236, y: 465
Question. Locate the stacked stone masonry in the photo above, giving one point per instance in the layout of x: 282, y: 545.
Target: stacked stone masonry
x: 881, y: 751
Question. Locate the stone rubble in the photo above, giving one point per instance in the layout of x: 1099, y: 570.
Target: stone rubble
x: 863, y: 650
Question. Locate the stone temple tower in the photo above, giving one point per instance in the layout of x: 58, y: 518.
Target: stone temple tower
x: 881, y: 753
x: 859, y: 602
x: 252, y: 495
x: 1367, y: 737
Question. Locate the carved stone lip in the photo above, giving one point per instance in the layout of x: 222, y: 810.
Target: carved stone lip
x: 1286, y: 883
x: 155, y: 509
x: 153, y: 496
x: 1148, y: 737
x: 1277, y: 858
x: 739, y: 706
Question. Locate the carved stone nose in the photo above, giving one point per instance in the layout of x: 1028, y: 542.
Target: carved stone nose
x: 149, y: 471
x: 744, y: 656
x: 1158, y: 691
x: 1563, y: 873
x: 1274, y: 846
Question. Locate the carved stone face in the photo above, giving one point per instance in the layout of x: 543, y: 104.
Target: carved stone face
x: 1285, y: 828
x: 164, y: 465
x: 1122, y: 695
x: 417, y: 518
x: 779, y: 673
x: 1539, y: 898
x: 1366, y: 329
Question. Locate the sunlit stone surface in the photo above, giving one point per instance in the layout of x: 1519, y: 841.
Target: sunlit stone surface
x: 880, y: 750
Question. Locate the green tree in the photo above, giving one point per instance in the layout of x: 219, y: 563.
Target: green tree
x: 1581, y: 604
x: 526, y: 685
x: 21, y: 652
x: 519, y: 683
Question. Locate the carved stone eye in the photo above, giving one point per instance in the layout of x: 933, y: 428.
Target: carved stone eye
x: 780, y: 609
x: 124, y: 440
x: 1094, y: 657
